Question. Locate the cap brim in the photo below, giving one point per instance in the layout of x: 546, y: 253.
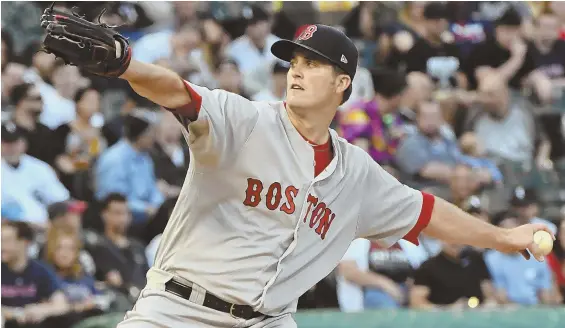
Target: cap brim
x: 285, y: 49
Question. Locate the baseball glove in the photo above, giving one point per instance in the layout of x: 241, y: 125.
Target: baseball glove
x: 95, y: 47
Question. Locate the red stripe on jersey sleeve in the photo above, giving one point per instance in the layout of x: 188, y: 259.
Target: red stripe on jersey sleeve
x: 190, y: 110
x: 423, y: 219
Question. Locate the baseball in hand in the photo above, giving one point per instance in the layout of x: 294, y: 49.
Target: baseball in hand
x: 544, y: 241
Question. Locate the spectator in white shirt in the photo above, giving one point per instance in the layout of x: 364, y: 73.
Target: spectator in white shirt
x: 252, y: 51
x: 59, y: 107
x: 181, y: 48
x: 276, y: 89
x: 370, y: 276
x: 29, y: 185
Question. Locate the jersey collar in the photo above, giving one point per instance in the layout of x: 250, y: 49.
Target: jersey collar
x: 305, y: 151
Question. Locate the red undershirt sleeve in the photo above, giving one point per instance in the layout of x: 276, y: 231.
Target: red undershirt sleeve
x: 191, y: 110
x: 423, y: 219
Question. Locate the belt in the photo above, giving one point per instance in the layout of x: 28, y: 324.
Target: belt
x: 239, y: 311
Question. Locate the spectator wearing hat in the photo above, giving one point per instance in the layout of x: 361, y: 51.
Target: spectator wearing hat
x: 506, y: 55
x: 276, y: 89
x: 28, y: 106
x: 435, y: 53
x: 29, y: 185
x: 251, y: 51
x: 376, y: 125
x: 31, y: 292
x: 127, y: 168
x: 515, y: 279
x: 525, y: 202
x: 474, y: 207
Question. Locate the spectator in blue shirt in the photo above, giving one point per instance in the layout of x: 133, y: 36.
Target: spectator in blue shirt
x: 517, y: 280
x: 428, y: 155
x: 127, y: 168
x: 31, y: 293
x: 62, y: 253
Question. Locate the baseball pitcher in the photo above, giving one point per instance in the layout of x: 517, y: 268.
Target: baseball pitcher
x: 273, y: 196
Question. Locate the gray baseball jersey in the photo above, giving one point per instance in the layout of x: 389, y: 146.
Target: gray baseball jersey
x: 253, y: 225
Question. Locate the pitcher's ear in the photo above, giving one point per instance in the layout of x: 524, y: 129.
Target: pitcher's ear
x: 343, y: 83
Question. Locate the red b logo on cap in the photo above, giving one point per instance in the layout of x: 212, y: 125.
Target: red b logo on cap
x: 307, y: 33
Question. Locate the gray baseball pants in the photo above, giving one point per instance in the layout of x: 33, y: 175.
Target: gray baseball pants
x: 159, y: 309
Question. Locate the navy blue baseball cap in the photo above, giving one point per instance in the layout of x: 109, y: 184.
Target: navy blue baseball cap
x: 325, y: 41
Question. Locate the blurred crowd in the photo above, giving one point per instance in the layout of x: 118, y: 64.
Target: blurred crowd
x: 461, y: 99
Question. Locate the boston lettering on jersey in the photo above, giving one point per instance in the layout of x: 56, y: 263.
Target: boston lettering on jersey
x: 318, y: 215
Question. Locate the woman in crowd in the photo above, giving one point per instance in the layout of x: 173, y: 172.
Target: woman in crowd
x: 79, y: 143
x: 62, y: 253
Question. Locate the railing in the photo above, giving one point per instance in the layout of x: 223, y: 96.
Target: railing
x: 499, y: 318
x: 515, y: 318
